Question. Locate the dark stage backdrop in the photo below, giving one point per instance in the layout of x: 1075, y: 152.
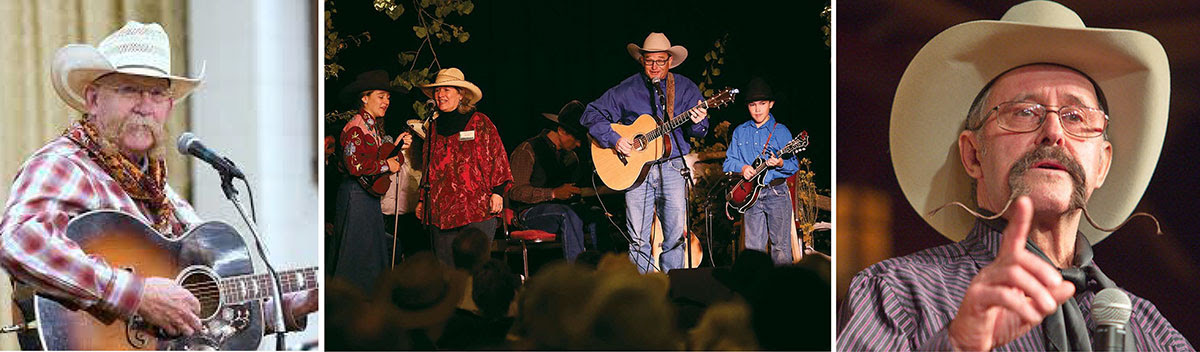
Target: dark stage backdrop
x: 877, y: 39
x: 531, y: 57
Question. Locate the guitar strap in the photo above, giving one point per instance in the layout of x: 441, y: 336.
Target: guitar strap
x: 670, y: 95
x: 768, y: 142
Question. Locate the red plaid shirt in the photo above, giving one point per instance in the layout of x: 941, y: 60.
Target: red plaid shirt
x: 57, y: 183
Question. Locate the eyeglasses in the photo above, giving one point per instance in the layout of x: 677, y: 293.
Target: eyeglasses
x: 659, y: 63
x: 135, y: 92
x: 1021, y: 117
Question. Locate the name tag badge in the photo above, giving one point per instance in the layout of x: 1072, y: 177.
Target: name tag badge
x: 466, y: 135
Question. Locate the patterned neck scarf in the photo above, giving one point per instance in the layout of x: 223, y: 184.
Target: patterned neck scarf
x: 147, y: 187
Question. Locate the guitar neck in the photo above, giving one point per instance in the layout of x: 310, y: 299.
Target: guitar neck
x: 670, y: 125
x: 245, y: 288
x: 788, y: 149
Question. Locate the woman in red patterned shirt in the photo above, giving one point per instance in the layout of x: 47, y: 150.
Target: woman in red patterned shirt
x: 468, y: 167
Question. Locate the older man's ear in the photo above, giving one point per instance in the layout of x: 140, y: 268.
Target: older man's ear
x: 1104, y: 165
x: 969, y: 152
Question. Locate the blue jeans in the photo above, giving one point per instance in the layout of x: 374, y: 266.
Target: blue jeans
x: 663, y: 189
x: 562, y: 220
x: 770, y: 218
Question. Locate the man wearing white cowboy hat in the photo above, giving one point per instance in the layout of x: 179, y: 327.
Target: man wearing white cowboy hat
x: 657, y: 92
x: 111, y: 158
x: 1053, y: 111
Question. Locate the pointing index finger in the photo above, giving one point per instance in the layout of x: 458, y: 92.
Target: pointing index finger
x: 1021, y: 214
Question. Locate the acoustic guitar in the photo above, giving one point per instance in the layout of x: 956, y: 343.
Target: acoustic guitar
x: 744, y: 193
x: 211, y: 261
x: 619, y: 171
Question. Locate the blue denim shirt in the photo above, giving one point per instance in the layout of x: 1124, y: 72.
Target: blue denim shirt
x: 747, y: 144
x: 631, y: 98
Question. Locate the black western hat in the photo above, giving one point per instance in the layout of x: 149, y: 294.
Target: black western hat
x: 757, y: 90
x: 568, y: 119
x: 370, y: 80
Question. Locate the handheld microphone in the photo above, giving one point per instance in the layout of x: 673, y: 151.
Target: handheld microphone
x: 1111, y: 309
x: 188, y: 144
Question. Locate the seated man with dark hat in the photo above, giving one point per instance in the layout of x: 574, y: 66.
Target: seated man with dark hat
x: 544, y: 170
x: 757, y: 140
x: 1038, y: 91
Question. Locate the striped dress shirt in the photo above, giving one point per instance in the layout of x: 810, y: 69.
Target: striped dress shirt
x: 906, y: 303
x: 57, y: 183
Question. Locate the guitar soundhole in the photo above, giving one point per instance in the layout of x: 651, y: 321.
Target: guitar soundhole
x: 639, y: 142
x: 204, y: 286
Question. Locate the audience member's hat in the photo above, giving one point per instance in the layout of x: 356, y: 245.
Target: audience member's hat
x: 423, y: 290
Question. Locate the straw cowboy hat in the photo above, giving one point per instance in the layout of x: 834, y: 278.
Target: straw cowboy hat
x: 937, y: 90
x: 568, y: 119
x: 135, y: 49
x: 657, y: 42
x: 370, y: 80
x: 453, y: 77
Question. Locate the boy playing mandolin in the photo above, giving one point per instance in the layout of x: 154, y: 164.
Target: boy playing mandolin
x: 757, y: 141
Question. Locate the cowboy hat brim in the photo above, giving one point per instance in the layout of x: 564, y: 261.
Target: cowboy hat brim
x: 937, y: 89
x: 678, y: 53
x: 440, y: 311
x: 75, y: 66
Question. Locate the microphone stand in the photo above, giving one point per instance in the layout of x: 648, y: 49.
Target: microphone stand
x: 231, y: 193
x: 427, y: 201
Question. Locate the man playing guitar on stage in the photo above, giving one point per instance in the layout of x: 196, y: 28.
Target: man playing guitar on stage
x: 657, y: 92
x: 758, y: 139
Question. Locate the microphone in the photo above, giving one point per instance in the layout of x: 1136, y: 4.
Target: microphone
x: 1111, y: 309
x: 430, y: 108
x: 190, y: 145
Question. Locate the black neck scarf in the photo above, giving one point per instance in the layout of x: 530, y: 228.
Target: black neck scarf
x: 1066, y: 329
x: 452, y: 122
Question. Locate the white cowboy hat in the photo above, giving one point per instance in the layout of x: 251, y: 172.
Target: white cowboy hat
x: 453, y: 77
x: 657, y: 42
x: 941, y: 82
x: 135, y: 49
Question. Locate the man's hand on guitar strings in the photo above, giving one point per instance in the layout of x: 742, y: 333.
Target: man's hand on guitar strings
x: 168, y: 306
x: 624, y: 145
